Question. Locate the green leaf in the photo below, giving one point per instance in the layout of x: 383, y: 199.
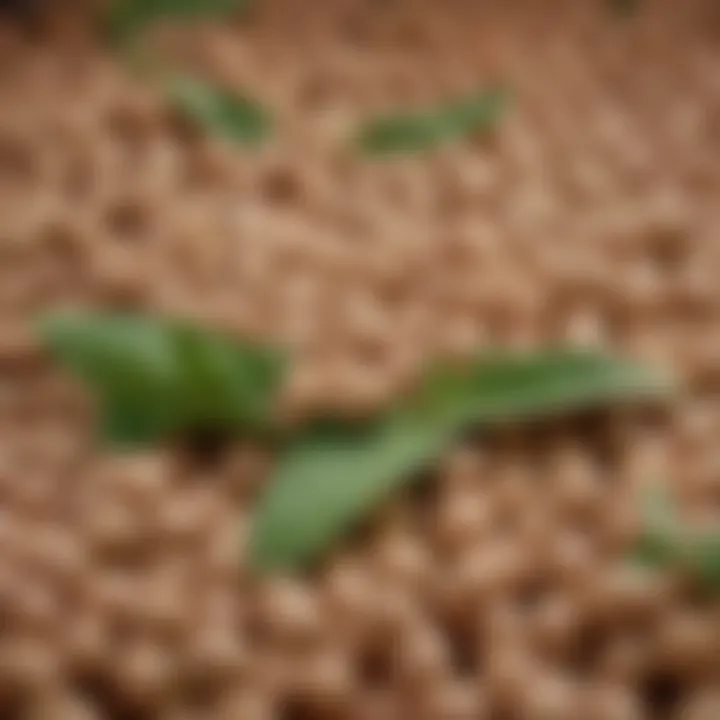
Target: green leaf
x: 623, y: 8
x: 509, y: 386
x: 219, y: 111
x: 128, y: 18
x: 415, y: 132
x: 329, y: 479
x: 701, y: 554
x: 333, y: 477
x: 155, y: 378
x: 657, y: 545
x: 665, y: 542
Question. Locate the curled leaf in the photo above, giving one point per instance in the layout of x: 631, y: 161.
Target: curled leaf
x: 415, y: 132
x: 154, y: 378
x: 333, y: 477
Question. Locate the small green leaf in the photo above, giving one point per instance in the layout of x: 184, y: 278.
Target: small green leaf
x: 128, y: 18
x: 219, y: 111
x: 701, y: 553
x: 657, y: 545
x: 155, y: 378
x: 408, y: 133
x: 665, y: 542
x: 333, y: 477
x: 623, y: 8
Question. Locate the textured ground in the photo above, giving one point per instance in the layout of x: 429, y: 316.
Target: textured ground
x: 590, y: 217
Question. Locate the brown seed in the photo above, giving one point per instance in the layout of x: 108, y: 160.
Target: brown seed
x: 463, y: 517
x: 218, y: 604
x: 585, y: 328
x: 289, y: 611
x: 113, y: 530
x: 117, y: 276
x: 87, y: 643
x: 246, y: 703
x: 502, y: 625
x: 402, y: 558
x: 702, y: 704
x: 508, y: 674
x: 349, y: 600
x: 36, y: 495
x: 463, y: 466
x: 162, y: 607
x: 144, y: 672
x: 215, y: 655
x: 396, y: 610
x: 512, y: 491
x: 549, y: 698
x: 626, y: 595
x: 223, y: 558
x: 29, y: 665
x: 460, y: 337
x: 572, y: 557
x: 620, y: 522
x: 421, y: 656
x: 554, y: 624
x: 113, y: 593
x: 456, y: 700
x: 142, y: 478
x: 59, y: 553
x: 536, y: 529
x: 185, y: 518
x: 58, y: 704
x: 625, y: 659
x: 687, y: 643
x: 647, y: 458
x: 374, y: 705
x: 39, y: 607
x: 694, y: 424
x: 18, y: 347
x: 324, y: 682
x: 576, y: 483
x: 245, y: 468
x: 611, y: 702
x: 490, y: 571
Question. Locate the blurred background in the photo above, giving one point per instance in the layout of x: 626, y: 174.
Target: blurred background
x: 587, y: 214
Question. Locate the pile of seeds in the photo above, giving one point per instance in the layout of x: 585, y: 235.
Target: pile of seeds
x: 502, y: 589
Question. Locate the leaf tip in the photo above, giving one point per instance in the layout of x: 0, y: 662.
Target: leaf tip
x: 52, y: 327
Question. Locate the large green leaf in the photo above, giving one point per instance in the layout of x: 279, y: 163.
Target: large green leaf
x: 333, y: 477
x: 329, y: 479
x: 219, y: 111
x: 128, y: 18
x: 415, y: 132
x: 155, y: 377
